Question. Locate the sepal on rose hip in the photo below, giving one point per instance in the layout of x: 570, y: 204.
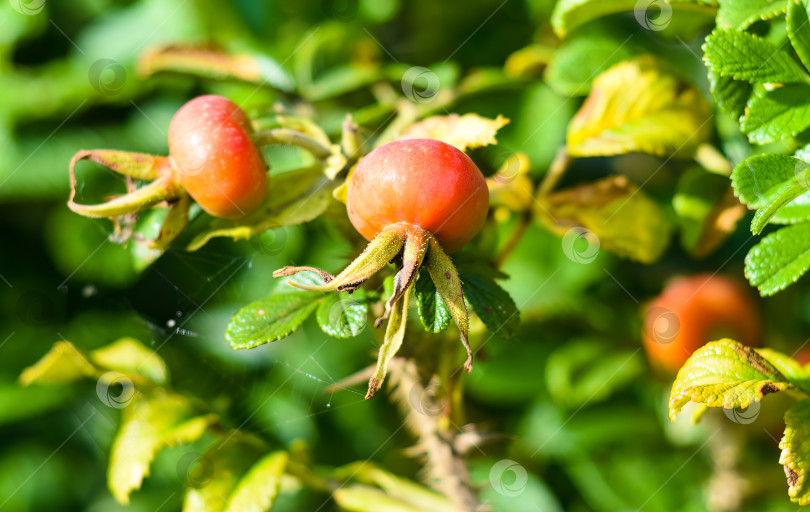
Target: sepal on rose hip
x: 411, y: 248
x: 164, y: 188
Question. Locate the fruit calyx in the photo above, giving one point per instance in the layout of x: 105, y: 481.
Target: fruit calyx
x: 410, y: 248
x: 164, y: 187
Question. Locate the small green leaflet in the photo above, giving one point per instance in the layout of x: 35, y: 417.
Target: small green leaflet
x: 432, y: 310
x: 798, y: 26
x: 744, y: 56
x: 270, y: 319
x: 769, y: 183
x: 342, y: 316
x: 780, y: 259
x: 729, y: 94
x: 777, y: 113
x: 492, y: 304
x: 726, y: 374
x: 739, y: 14
x: 570, y: 14
x: 795, y: 455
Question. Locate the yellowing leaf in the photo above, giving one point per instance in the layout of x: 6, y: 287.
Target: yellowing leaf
x: 128, y: 355
x: 727, y: 374
x: 258, y: 489
x: 467, y: 131
x: 636, y: 107
x: 63, y: 363
x: 232, y: 479
x: 511, y: 185
x: 795, y: 455
x: 615, y: 211
x: 149, y: 424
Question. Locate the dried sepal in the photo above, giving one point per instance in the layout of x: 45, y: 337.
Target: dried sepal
x: 376, y: 255
x: 394, y: 335
x: 164, y: 186
x: 448, y: 284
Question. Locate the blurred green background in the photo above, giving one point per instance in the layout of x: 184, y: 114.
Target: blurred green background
x: 68, y: 82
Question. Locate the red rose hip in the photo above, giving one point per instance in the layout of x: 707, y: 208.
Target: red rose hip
x: 423, y: 182
x: 694, y: 310
x: 216, y: 160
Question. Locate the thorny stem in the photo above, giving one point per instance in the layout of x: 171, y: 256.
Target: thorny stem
x: 446, y: 469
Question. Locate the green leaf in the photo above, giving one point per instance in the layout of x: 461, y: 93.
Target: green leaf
x: 729, y: 94
x: 739, y: 14
x: 432, y: 310
x: 149, y: 424
x: 621, y: 217
x: 63, y: 363
x: 493, y: 305
x: 128, y: 355
x: 798, y: 26
x: 259, y: 488
x: 776, y: 114
x: 586, y: 54
x: 340, y: 316
x: 636, y: 107
x: 744, y: 56
x: 270, y: 319
x: 795, y: 456
x: 769, y: 183
x: 780, y: 259
x: 293, y: 198
x: 726, y: 374
x: 570, y: 14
